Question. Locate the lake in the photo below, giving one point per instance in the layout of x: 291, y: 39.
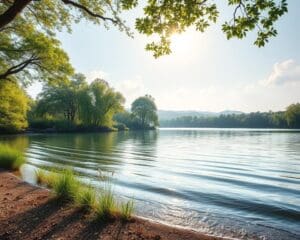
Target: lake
x: 229, y: 182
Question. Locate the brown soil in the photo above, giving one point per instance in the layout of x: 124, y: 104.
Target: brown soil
x: 30, y: 212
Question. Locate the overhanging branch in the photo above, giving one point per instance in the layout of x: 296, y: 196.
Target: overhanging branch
x: 88, y: 11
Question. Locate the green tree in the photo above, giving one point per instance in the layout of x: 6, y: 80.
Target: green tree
x: 27, y: 54
x: 99, y: 102
x: 292, y: 115
x: 162, y: 18
x: 13, y: 107
x: 61, y: 101
x: 144, y: 109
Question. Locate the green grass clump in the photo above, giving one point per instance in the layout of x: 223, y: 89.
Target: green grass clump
x: 86, y: 198
x: 66, y: 186
x: 46, y: 178
x: 10, y: 158
x: 106, y: 206
x: 127, y: 210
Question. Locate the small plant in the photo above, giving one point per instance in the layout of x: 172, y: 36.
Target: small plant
x: 86, y: 198
x: 45, y: 178
x: 66, y: 185
x: 106, y: 206
x: 10, y: 158
x: 127, y: 210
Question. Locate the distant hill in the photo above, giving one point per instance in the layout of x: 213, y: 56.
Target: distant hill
x: 167, y: 114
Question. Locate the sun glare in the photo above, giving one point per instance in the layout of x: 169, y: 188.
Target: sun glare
x: 182, y: 43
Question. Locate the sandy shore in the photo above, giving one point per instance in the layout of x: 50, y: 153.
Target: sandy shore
x: 30, y: 212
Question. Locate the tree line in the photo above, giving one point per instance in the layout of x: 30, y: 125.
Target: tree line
x: 73, y: 105
x: 284, y: 119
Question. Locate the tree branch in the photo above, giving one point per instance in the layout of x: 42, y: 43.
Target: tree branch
x: 19, y: 67
x: 10, y: 14
x: 88, y: 11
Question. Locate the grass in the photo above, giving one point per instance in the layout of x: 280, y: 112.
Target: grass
x: 127, y: 210
x: 68, y: 188
x: 66, y: 185
x: 86, y: 198
x: 10, y: 158
x: 46, y: 178
x: 106, y: 206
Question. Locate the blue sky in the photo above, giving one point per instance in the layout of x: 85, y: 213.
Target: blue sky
x: 204, y: 72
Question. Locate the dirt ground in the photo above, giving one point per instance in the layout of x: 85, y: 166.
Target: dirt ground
x: 30, y: 212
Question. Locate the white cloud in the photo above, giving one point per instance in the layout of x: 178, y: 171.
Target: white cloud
x: 131, y: 89
x: 282, y: 73
x: 92, y: 75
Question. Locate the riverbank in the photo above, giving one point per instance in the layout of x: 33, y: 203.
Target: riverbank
x: 29, y: 212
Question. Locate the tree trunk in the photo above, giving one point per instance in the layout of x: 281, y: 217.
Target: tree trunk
x: 15, y: 9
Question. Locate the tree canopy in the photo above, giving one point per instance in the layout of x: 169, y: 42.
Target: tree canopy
x: 292, y: 115
x: 13, y: 107
x: 144, y: 109
x: 29, y: 54
x: 161, y: 18
x: 80, y: 103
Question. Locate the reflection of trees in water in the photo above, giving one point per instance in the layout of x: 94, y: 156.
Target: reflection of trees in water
x: 144, y: 137
x: 144, y: 143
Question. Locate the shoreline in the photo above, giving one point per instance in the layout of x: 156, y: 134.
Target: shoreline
x: 30, y: 212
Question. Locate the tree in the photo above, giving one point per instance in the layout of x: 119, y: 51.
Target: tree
x: 99, y: 102
x: 144, y: 109
x: 61, y: 101
x: 162, y: 18
x: 292, y: 115
x: 27, y: 54
x: 13, y: 107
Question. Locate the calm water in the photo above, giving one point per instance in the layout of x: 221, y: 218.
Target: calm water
x: 236, y: 183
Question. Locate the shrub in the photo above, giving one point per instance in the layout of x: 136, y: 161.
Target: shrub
x: 10, y: 158
x: 66, y: 185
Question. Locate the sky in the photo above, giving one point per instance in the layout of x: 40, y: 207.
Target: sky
x: 205, y: 72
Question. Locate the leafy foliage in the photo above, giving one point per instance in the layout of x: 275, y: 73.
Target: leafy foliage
x: 13, y: 107
x: 61, y: 100
x: 161, y: 18
x: 98, y: 103
x: 76, y: 102
x: 27, y: 54
x: 144, y: 109
x: 292, y: 115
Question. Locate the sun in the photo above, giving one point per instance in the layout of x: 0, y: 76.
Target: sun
x: 182, y: 42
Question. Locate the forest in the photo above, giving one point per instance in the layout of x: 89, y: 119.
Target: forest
x: 284, y: 119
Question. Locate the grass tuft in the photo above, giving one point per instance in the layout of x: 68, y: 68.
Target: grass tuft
x: 86, y: 198
x: 66, y: 186
x: 10, y: 158
x: 106, y: 206
x: 127, y: 210
x: 45, y: 178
